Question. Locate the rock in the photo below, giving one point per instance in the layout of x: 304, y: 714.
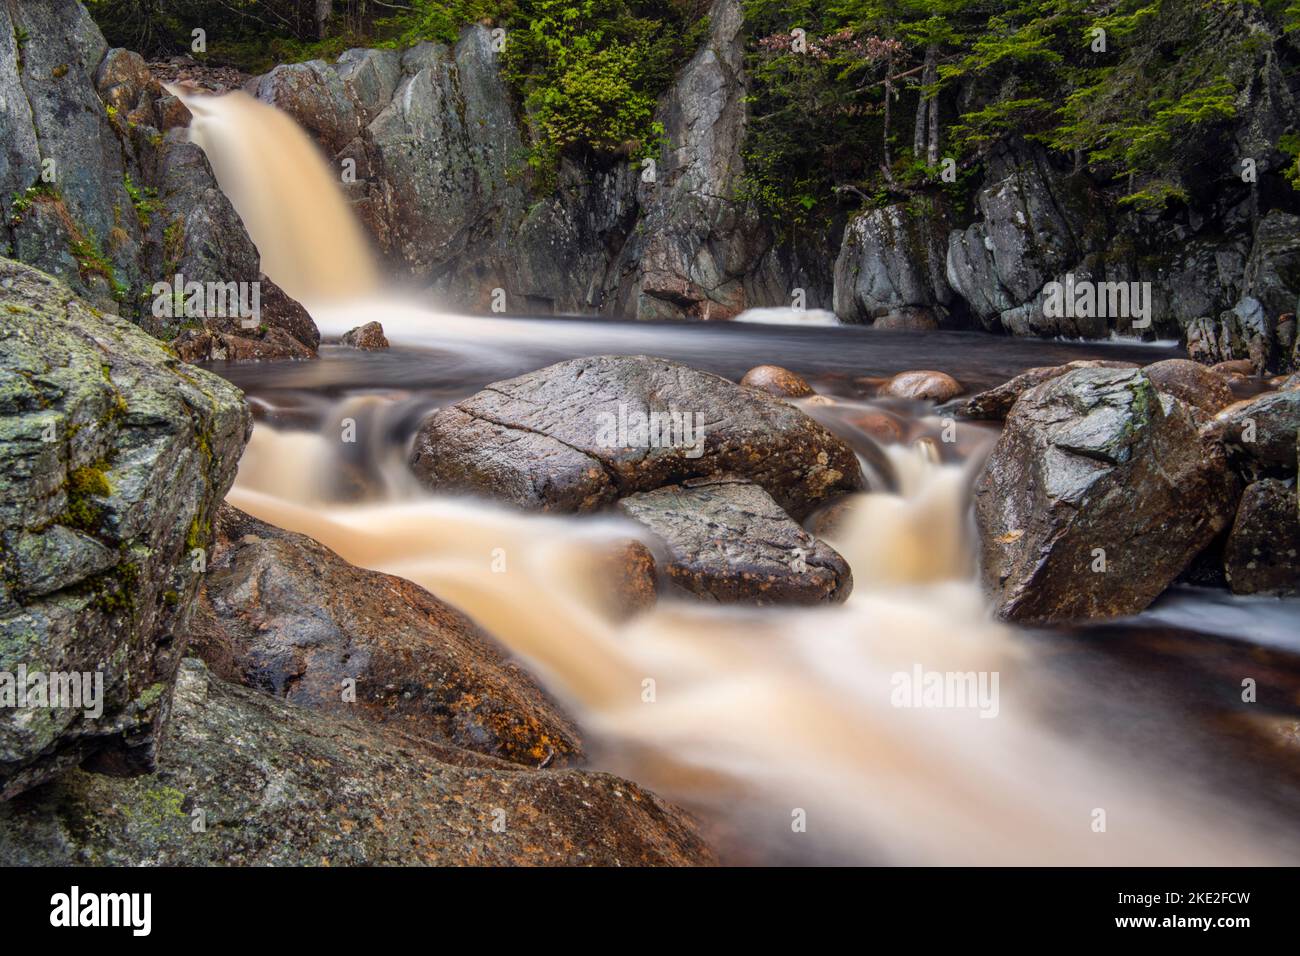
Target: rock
x: 1234, y: 367
x: 995, y: 403
x: 633, y: 575
x: 1191, y: 383
x: 1260, y: 433
x: 283, y: 331
x: 881, y: 426
x: 728, y: 541
x: 285, y: 615
x: 576, y: 436
x: 1246, y: 331
x: 368, y: 337
x: 927, y: 385
x: 892, y: 266
x: 694, y: 243
x: 777, y: 381
x: 1025, y: 238
x: 1096, y: 459
x: 278, y: 785
x: 1262, y: 553
x: 1272, y: 275
x: 114, y: 458
x: 907, y: 319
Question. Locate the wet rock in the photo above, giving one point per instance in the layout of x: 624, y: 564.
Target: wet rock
x: 1260, y: 434
x: 1191, y: 383
x: 908, y: 319
x: 881, y: 426
x: 254, y: 769
x: 1262, y: 553
x: 1234, y: 367
x: 728, y: 541
x: 113, y: 459
x: 777, y: 381
x: 283, y: 330
x: 923, y: 384
x: 1272, y: 275
x: 578, y: 435
x: 995, y: 403
x: 285, y: 615
x: 369, y: 337
x: 892, y: 266
x: 1246, y: 331
x: 1095, y: 469
x: 629, y: 566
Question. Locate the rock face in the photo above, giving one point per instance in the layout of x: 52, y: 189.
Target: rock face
x: 253, y: 769
x: 728, y: 541
x: 1095, y: 466
x: 285, y: 615
x: 891, y: 266
x: 578, y: 435
x: 1262, y: 553
x: 114, y: 459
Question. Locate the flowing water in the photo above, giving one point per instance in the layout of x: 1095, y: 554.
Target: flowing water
x: 781, y: 728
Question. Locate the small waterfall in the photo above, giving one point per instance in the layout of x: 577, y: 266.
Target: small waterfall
x: 286, y: 194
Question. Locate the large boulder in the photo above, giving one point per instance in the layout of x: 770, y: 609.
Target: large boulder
x: 1262, y: 553
x: 728, y: 541
x: 242, y: 778
x: 578, y: 435
x: 995, y: 403
x: 287, y: 616
x: 113, y: 459
x: 892, y: 264
x: 1097, y: 495
x: 1190, y: 383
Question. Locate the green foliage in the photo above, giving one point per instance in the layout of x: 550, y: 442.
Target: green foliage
x: 143, y: 198
x: 589, y: 73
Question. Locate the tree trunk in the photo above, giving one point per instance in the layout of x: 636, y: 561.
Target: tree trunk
x: 929, y: 76
x: 324, y: 9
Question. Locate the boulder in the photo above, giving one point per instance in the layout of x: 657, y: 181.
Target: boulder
x: 777, y: 381
x: 254, y: 771
x: 578, y: 435
x: 1262, y: 553
x: 892, y: 265
x: 369, y: 337
x: 1191, y: 383
x: 1260, y: 433
x: 114, y: 458
x: 993, y: 404
x: 285, y: 615
x: 1097, y: 495
x: 1272, y: 275
x: 923, y: 384
x: 728, y: 541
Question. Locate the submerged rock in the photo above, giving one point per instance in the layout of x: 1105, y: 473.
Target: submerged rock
x: 1097, y: 495
x: 285, y: 615
x: 729, y: 541
x: 777, y: 381
x: 246, y: 779
x: 579, y: 435
x: 1262, y: 553
x: 113, y: 459
x: 369, y: 337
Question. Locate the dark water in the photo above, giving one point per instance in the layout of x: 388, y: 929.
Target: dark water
x: 832, y: 356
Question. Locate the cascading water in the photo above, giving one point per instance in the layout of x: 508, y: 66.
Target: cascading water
x: 756, y: 718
